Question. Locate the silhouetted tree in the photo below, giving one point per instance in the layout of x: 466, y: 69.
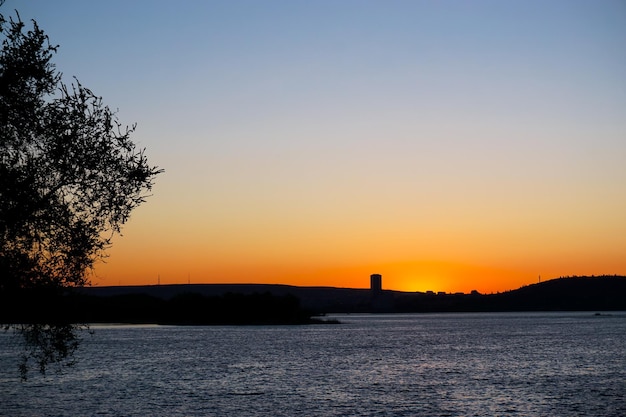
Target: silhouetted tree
x: 69, y: 178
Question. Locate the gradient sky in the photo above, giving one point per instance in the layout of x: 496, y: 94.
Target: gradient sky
x: 447, y: 145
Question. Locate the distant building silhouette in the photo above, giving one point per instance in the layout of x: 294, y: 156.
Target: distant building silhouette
x: 380, y: 301
x: 376, y: 283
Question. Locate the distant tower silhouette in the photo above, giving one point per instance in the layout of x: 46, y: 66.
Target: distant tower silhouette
x: 376, y: 283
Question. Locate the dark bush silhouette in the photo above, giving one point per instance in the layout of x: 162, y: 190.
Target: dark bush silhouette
x: 184, y: 309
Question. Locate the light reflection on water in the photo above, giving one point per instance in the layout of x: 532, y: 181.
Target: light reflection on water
x: 524, y: 364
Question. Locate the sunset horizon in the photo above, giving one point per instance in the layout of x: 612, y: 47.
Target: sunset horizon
x: 362, y: 281
x: 449, y: 146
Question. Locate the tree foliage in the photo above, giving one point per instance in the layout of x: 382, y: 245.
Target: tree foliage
x: 69, y: 173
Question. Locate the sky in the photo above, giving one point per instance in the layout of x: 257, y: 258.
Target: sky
x: 447, y: 145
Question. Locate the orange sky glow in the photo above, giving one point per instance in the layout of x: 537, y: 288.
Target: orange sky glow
x: 449, y: 146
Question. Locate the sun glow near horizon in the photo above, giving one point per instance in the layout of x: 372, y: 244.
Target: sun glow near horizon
x: 438, y: 276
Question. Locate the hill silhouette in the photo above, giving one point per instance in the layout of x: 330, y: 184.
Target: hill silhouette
x: 602, y: 293
x: 238, y: 304
x: 571, y: 293
x: 561, y: 294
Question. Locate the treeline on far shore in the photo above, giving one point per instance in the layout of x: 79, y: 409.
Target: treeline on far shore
x: 184, y: 309
x: 259, y: 304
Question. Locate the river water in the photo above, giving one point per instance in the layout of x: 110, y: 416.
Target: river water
x: 513, y: 364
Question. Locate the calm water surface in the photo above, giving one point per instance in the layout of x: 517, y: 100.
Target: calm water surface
x: 516, y: 364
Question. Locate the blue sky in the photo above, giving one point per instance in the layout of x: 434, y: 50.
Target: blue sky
x: 480, y: 134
